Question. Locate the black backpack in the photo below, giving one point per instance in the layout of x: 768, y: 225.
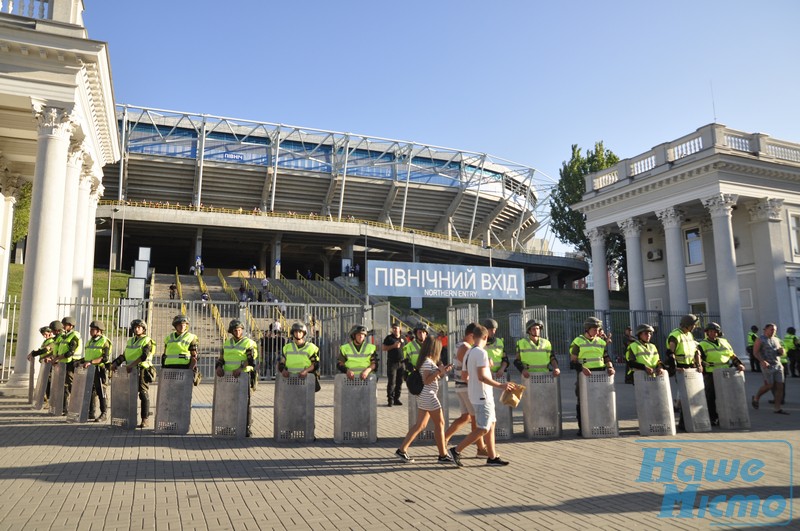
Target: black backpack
x: 414, y: 382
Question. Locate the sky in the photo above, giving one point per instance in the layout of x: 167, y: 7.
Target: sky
x: 520, y: 80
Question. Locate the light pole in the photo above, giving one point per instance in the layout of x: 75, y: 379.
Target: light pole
x: 366, y: 266
x: 111, y: 253
x: 491, y: 300
x: 413, y: 246
x: 121, y: 237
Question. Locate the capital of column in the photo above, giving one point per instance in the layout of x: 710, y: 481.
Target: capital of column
x: 720, y: 205
x: 631, y: 227
x: 76, y: 152
x: 766, y: 209
x: 596, y: 235
x: 671, y: 217
x: 706, y: 225
x: 51, y: 120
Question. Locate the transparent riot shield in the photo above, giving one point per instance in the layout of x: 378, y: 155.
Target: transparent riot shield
x: 694, y: 408
x: 598, y: 405
x: 229, y: 414
x: 541, y: 405
x: 125, y: 393
x: 731, y: 399
x: 355, y: 409
x: 81, y: 396
x: 41, y: 385
x: 413, y: 409
x: 504, y: 427
x: 294, y: 408
x: 654, y: 404
x: 174, y: 401
x: 58, y: 379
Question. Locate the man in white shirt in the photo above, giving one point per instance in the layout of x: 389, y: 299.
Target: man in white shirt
x: 479, y: 385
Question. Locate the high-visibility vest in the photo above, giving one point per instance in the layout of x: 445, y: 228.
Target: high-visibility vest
x: 496, y: 351
x: 718, y: 355
x: 535, y: 358
x: 591, y: 351
x: 646, y: 353
x: 299, y: 358
x: 685, y: 346
x: 133, y: 350
x: 176, y: 348
x: 789, y: 343
x: 357, y: 359
x: 94, y: 348
x: 234, y: 354
x: 751, y: 338
x: 411, y: 352
x: 63, y: 346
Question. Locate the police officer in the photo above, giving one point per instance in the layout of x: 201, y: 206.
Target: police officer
x: 411, y: 350
x: 791, y: 345
x: 681, y: 346
x: 495, y: 348
x: 300, y: 357
x: 393, y: 346
x: 44, y: 352
x: 138, y: 355
x: 642, y: 354
x: 238, y: 355
x: 535, y: 353
x: 751, y: 340
x: 715, y: 353
x: 97, y: 352
x: 589, y: 353
x: 68, y: 350
x: 180, y: 346
x: 357, y: 355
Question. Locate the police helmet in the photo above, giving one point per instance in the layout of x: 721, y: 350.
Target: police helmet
x: 56, y: 325
x: 43, y: 330
x: 533, y: 322
x: 713, y: 326
x: 234, y: 324
x: 489, y: 323
x: 357, y: 329
x: 791, y: 330
x: 298, y: 326
x: 138, y: 322
x: 688, y: 320
x: 180, y: 318
x: 98, y: 325
x: 68, y: 320
x: 592, y: 322
x: 644, y: 328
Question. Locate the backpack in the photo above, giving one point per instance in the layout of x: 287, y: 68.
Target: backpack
x: 414, y: 382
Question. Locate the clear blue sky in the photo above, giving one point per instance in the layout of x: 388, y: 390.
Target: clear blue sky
x: 522, y: 80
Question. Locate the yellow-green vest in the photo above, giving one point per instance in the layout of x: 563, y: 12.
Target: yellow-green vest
x: 496, y: 352
x: 717, y: 356
x: 234, y: 354
x: 591, y: 352
x: 411, y: 352
x: 133, y: 350
x: 63, y: 346
x: 751, y: 338
x: 176, y: 349
x: 646, y: 353
x: 94, y: 348
x: 789, y: 341
x: 357, y: 359
x: 685, y: 346
x: 535, y: 358
x: 299, y: 358
x: 47, y: 347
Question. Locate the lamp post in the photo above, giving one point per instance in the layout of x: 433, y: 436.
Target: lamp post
x: 491, y: 300
x: 413, y: 246
x: 111, y: 253
x: 366, y: 267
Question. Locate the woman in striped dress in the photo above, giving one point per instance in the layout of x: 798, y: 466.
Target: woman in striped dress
x: 432, y: 370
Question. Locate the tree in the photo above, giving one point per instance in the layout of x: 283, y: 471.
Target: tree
x: 22, y: 213
x: 570, y: 225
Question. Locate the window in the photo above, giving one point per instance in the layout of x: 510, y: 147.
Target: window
x: 796, y: 233
x: 694, y: 246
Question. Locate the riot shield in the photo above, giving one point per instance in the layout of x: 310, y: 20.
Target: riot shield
x: 58, y: 379
x: 654, y: 404
x: 598, y: 405
x: 694, y: 408
x: 41, y: 385
x: 81, y: 396
x: 294, y: 408
x: 355, y: 409
x: 504, y: 426
x: 229, y: 414
x: 125, y: 393
x: 731, y: 399
x: 541, y: 405
x: 413, y: 409
x: 174, y: 401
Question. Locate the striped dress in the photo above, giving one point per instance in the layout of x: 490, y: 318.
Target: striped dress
x: 428, y: 399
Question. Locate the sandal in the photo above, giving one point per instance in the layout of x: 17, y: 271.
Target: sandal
x: 754, y: 402
x: 782, y: 412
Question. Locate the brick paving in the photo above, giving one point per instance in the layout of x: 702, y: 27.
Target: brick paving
x: 55, y: 475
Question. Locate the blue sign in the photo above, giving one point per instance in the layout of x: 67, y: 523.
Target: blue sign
x: 413, y: 279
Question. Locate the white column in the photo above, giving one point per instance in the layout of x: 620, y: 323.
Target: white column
x: 80, y: 256
x: 597, y: 238
x: 10, y: 190
x: 95, y: 194
x: 275, y: 266
x: 632, y: 230
x: 730, y: 304
x: 39, y: 305
x: 774, y: 303
x: 69, y: 222
x: 672, y: 218
x: 707, y: 235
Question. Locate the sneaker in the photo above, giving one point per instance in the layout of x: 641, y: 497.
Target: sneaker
x: 446, y: 460
x: 482, y: 453
x: 397, y: 402
x: 101, y: 418
x: 455, y: 456
x: 144, y: 424
x: 496, y: 462
x: 404, y: 457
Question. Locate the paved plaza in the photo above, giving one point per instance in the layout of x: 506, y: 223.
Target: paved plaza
x: 55, y: 475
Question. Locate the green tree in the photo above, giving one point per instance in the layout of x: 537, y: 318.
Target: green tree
x: 570, y: 225
x: 22, y: 213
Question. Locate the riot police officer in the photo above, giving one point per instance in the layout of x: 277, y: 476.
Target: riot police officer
x: 357, y: 355
x: 180, y: 346
x: 642, y: 354
x: 715, y: 353
x: 44, y: 352
x: 239, y: 355
x: 495, y: 348
x: 589, y: 353
x: 411, y: 349
x: 97, y: 352
x: 138, y: 355
x: 300, y: 357
x: 535, y: 353
x: 68, y: 350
